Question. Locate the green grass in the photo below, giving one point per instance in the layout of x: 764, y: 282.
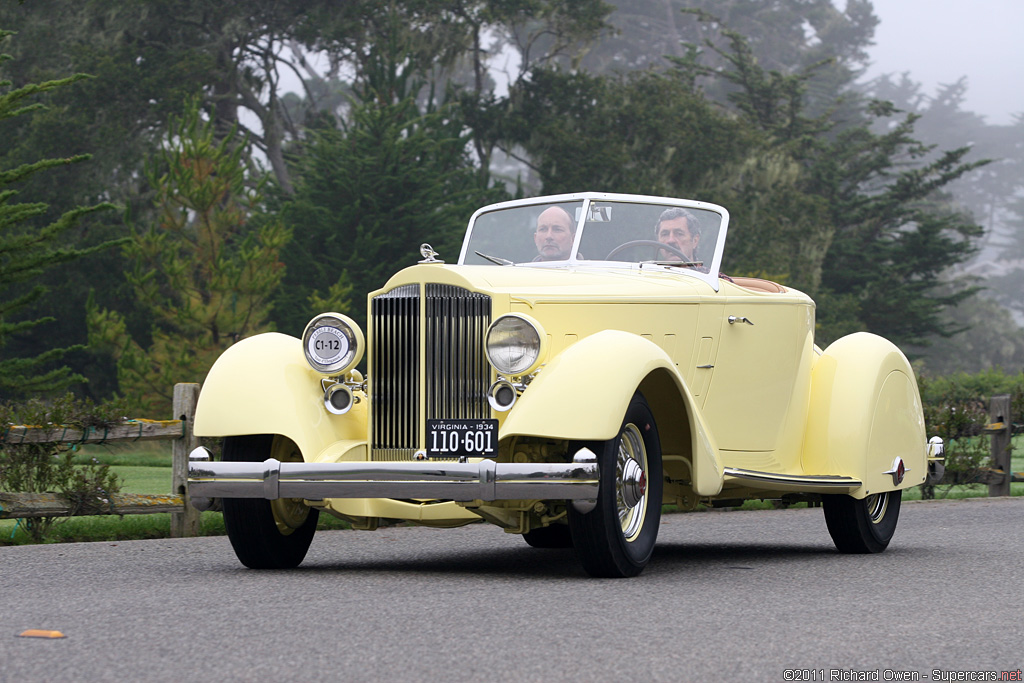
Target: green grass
x: 141, y: 454
x: 127, y: 528
x: 108, y: 528
x: 143, y: 480
x: 145, y: 469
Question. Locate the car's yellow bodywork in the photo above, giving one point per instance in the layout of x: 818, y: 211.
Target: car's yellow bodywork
x: 562, y: 397
x: 745, y: 408
x: 865, y: 411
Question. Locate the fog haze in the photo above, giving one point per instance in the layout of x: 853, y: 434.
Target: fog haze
x: 938, y: 42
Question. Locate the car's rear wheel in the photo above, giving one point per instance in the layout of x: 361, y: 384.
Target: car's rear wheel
x: 617, y: 537
x: 554, y: 536
x: 267, y: 534
x: 862, y: 525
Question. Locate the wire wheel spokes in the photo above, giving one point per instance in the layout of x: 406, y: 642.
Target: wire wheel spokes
x: 876, y: 505
x: 631, y: 481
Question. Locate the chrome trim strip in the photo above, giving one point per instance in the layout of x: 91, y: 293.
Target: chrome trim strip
x: 829, y: 480
x: 484, y: 480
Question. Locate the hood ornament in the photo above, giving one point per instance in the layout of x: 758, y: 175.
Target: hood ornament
x: 428, y: 254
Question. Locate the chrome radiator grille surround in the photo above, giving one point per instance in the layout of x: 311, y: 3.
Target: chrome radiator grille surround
x: 444, y: 375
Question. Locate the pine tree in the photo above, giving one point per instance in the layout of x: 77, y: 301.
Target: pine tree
x: 204, y: 271
x: 394, y: 175
x: 27, y: 250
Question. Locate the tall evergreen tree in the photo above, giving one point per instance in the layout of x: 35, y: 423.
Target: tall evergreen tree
x: 993, y: 193
x: 29, y: 246
x: 787, y: 36
x: 856, y: 219
x: 894, y: 230
x: 239, y: 57
x: 396, y: 173
x: 205, y: 271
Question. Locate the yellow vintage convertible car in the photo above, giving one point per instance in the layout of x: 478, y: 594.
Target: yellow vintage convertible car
x: 582, y: 364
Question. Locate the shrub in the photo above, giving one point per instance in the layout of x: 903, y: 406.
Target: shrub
x: 980, y: 386
x: 50, y: 467
x: 956, y: 408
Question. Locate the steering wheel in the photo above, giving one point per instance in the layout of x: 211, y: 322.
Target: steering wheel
x: 647, y: 243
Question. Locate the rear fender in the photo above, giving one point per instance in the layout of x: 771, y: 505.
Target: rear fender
x: 582, y: 394
x: 263, y: 385
x: 865, y: 411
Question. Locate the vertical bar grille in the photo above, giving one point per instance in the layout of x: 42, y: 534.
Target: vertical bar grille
x: 395, y: 371
x: 457, y: 372
x: 454, y: 380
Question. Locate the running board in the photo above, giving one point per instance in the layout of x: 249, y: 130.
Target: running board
x: 810, y: 483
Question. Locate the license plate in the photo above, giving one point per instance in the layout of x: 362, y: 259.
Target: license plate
x: 458, y: 438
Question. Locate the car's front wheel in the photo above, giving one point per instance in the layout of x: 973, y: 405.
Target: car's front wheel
x: 617, y: 537
x: 267, y: 534
x: 863, y: 525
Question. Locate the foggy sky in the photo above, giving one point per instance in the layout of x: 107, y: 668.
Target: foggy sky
x: 939, y: 41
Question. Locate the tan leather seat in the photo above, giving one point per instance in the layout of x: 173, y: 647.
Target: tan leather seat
x: 758, y: 285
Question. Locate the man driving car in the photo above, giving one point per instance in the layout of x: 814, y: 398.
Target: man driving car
x: 678, y: 228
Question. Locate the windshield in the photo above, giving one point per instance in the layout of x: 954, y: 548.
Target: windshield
x: 644, y: 231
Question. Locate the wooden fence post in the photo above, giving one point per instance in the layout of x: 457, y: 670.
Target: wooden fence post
x: 1001, y: 428
x: 185, y: 523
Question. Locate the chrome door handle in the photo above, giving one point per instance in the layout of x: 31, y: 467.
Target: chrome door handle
x: 739, y: 319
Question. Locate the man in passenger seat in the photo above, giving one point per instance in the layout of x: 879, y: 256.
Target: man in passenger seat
x: 554, y: 234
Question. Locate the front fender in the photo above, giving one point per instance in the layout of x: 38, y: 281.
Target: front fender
x: 263, y: 385
x: 865, y: 411
x: 582, y: 395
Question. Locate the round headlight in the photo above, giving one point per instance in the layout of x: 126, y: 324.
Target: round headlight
x: 333, y: 343
x: 515, y: 344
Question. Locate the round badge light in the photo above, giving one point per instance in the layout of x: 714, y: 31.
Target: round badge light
x: 332, y: 343
x: 328, y: 345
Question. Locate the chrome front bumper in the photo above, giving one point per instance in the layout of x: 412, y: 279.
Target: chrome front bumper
x: 485, y: 480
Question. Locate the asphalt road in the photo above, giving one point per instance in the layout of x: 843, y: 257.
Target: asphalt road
x: 730, y: 596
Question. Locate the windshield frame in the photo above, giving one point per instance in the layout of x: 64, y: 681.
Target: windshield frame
x: 711, y: 277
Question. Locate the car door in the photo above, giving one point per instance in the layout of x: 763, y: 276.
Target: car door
x: 757, y: 394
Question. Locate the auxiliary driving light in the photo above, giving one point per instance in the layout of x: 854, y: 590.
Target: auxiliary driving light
x: 502, y: 395
x: 338, y: 399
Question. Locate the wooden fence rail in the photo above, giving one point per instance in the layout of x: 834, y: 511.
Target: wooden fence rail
x: 1000, y: 428
x: 184, y: 517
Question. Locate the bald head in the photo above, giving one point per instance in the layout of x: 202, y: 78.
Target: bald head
x: 554, y: 234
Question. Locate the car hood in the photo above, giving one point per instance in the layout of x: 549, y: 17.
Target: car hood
x: 564, y: 283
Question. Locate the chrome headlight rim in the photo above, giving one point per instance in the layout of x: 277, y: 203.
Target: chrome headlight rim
x: 332, y: 343
x: 526, y: 333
